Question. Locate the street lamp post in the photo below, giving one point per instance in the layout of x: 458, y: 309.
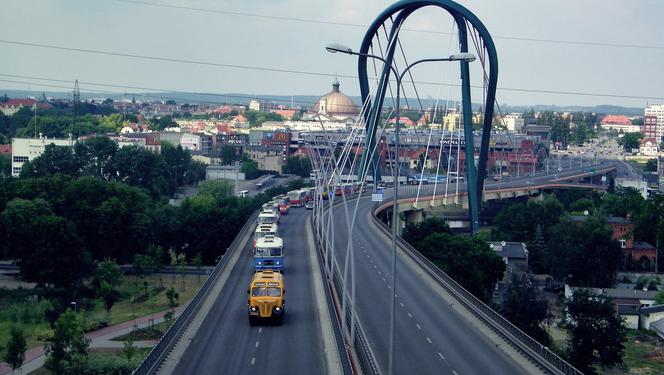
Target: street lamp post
x: 463, y: 57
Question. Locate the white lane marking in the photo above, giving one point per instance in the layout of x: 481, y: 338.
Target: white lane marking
x: 389, y: 287
x: 441, y: 356
x: 253, y: 360
x: 410, y: 315
x: 384, y: 279
x: 429, y: 340
x: 380, y: 273
x: 260, y: 329
x: 257, y: 343
x: 402, y: 305
x: 418, y: 326
x: 455, y: 373
x: 375, y: 266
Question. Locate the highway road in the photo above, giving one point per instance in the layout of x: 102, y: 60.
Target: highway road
x: 433, y: 333
x: 225, y: 343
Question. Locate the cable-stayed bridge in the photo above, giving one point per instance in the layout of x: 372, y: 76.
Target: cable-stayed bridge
x: 360, y: 299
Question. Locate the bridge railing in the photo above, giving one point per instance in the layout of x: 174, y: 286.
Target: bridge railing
x: 365, y: 358
x: 537, y: 352
x: 157, y: 355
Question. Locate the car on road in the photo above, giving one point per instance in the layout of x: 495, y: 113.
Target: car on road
x: 309, y: 205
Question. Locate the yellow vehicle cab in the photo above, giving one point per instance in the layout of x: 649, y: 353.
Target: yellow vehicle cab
x: 266, y: 297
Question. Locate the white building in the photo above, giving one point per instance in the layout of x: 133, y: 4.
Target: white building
x: 648, y: 147
x: 514, y: 122
x: 27, y: 149
x: 653, y: 122
x: 619, y: 123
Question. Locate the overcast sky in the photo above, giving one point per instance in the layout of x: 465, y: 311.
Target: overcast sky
x: 243, y: 40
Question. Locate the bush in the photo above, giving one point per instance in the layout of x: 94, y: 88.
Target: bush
x: 111, y: 365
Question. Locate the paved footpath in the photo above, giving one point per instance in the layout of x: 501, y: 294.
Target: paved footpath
x: 35, y: 357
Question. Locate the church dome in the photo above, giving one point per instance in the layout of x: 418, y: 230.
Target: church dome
x: 336, y: 103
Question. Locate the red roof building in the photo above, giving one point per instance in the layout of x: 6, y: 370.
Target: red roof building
x: 616, y: 120
x: 6, y: 149
x: 12, y: 106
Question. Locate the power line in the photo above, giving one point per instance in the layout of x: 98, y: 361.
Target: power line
x: 301, y: 72
x: 168, y: 59
x: 323, y: 22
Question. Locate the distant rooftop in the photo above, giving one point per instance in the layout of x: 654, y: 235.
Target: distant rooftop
x: 616, y: 120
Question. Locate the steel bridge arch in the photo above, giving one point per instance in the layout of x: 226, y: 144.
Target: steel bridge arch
x: 398, y: 13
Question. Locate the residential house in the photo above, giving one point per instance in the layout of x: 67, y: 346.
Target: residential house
x: 648, y: 147
x: 626, y: 302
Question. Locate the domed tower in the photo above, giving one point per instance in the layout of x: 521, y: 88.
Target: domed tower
x: 336, y: 104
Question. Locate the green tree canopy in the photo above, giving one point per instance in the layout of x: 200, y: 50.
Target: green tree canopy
x: 469, y: 261
x: 67, y: 348
x: 597, y: 334
x: 298, y: 165
x: 630, y: 141
x: 527, y: 308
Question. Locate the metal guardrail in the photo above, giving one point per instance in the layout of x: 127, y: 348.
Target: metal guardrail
x: 157, y: 355
x: 537, y: 352
x: 365, y: 358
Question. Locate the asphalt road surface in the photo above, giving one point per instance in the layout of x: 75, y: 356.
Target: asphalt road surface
x: 226, y: 344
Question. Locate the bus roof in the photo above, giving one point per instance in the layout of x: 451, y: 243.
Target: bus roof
x: 266, y: 228
x: 267, y: 276
x: 270, y: 241
x: 267, y: 214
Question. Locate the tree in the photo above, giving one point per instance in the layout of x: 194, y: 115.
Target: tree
x: 156, y: 253
x: 651, y: 165
x: 538, y: 251
x: 298, y: 165
x: 172, y: 296
x: 250, y: 169
x: 527, y: 308
x: 67, y: 347
x: 416, y: 232
x: 575, y: 248
x: 54, y: 159
x: 5, y: 165
x: 107, y: 271
x: 197, y: 262
x: 182, y: 268
x: 229, y: 154
x: 597, y: 333
x: 469, y: 261
x: 107, y: 277
x: 128, y: 348
x: 659, y: 298
x: 15, y: 354
x: 630, y: 141
x: 46, y: 246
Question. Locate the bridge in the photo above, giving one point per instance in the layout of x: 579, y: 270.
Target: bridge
x: 440, y: 327
x: 359, y: 300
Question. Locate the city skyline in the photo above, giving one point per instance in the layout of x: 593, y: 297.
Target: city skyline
x: 606, y: 48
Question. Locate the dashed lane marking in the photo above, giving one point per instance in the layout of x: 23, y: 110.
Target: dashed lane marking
x: 257, y: 343
x: 410, y: 315
x: 418, y: 326
x: 441, y: 356
x: 253, y: 360
x: 429, y: 340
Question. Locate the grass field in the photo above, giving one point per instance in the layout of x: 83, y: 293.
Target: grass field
x: 19, y: 307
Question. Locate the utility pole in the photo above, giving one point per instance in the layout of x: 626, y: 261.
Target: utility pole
x: 77, y: 105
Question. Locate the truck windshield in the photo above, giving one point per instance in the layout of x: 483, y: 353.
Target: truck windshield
x: 268, y: 251
x: 266, y: 292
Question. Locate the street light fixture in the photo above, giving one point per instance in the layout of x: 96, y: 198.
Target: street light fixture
x: 463, y: 57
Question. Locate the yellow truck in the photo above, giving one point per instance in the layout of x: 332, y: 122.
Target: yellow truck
x: 266, y: 297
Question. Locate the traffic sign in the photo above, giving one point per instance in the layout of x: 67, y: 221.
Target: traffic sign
x: 377, y: 197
